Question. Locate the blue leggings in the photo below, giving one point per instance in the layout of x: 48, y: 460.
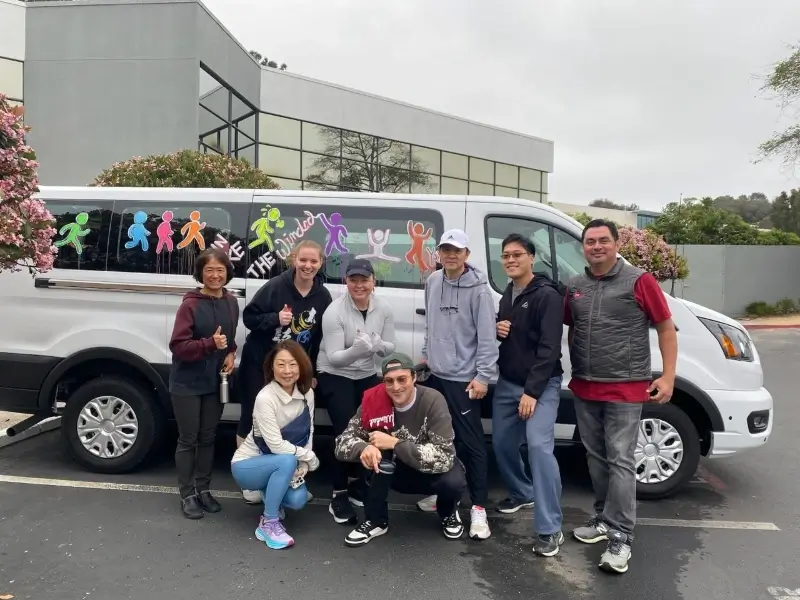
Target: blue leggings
x: 271, y: 474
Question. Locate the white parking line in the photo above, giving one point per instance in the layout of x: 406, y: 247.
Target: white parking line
x: 162, y: 489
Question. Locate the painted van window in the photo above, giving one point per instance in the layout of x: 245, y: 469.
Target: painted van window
x: 81, y: 234
x: 400, y: 243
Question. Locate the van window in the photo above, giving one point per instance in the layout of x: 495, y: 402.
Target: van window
x: 498, y: 227
x: 166, y: 238
x: 569, y: 255
x: 400, y: 243
x: 569, y: 258
x: 81, y: 234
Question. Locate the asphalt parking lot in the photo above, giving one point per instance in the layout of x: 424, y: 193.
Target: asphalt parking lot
x: 734, y: 533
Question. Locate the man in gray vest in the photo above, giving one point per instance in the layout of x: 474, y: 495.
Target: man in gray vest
x: 609, y: 310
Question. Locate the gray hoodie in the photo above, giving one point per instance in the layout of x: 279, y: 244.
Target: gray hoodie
x: 460, y: 345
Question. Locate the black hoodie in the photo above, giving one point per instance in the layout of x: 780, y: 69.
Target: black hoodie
x: 531, y: 353
x: 196, y: 361
x: 260, y: 316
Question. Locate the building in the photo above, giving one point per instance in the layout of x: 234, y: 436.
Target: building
x: 105, y: 80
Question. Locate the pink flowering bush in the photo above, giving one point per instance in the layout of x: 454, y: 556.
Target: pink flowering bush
x: 647, y: 250
x: 184, y: 169
x: 26, y: 226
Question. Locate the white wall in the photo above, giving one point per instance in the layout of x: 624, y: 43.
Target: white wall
x: 623, y: 217
x: 291, y: 95
x: 12, y: 29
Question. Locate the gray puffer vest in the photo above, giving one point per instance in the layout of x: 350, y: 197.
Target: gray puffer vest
x: 611, y: 335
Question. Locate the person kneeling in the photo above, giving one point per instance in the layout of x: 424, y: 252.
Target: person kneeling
x: 403, y: 435
x: 276, y: 455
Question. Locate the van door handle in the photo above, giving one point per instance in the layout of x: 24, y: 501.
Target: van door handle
x: 421, y: 311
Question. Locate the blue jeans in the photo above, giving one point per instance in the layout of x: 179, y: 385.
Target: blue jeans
x: 508, y: 434
x: 271, y: 474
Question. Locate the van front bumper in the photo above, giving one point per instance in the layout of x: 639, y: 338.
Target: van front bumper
x: 748, y: 418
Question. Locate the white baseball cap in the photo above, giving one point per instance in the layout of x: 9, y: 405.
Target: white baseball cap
x: 454, y: 237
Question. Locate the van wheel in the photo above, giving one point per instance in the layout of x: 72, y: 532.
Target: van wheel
x: 667, y: 451
x: 111, y: 425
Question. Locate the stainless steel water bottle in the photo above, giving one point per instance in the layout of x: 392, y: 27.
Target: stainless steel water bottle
x: 223, y: 388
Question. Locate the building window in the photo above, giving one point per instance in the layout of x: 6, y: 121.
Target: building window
x: 11, y: 79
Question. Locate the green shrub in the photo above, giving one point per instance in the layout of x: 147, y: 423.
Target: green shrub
x: 760, y: 309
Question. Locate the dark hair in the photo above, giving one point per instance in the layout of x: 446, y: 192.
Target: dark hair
x: 205, y: 257
x: 297, y: 352
x: 516, y: 238
x: 612, y: 227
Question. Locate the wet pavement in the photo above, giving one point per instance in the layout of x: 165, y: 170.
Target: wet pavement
x: 70, y: 534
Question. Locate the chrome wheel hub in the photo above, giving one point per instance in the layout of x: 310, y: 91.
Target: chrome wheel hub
x: 659, y: 451
x: 107, y: 427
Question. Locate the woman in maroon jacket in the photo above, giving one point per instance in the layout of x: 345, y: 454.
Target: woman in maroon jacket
x: 203, y: 345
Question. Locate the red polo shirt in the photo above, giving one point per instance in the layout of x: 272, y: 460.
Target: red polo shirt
x: 650, y: 298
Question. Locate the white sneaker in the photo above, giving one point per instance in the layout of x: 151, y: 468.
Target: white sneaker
x: 427, y: 504
x: 479, y: 524
x: 252, y: 496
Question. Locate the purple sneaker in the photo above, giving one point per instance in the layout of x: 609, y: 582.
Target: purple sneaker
x: 273, y: 534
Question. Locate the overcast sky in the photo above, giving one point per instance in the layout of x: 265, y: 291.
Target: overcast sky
x: 644, y: 100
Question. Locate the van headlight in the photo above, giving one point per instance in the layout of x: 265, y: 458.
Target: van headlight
x: 735, y: 343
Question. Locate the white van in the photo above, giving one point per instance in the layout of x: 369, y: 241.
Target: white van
x: 91, y: 335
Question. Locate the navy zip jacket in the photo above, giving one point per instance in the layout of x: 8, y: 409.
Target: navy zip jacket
x: 531, y: 353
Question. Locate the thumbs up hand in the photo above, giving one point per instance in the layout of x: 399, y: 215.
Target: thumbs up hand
x: 362, y: 341
x: 220, y: 339
x: 285, y: 316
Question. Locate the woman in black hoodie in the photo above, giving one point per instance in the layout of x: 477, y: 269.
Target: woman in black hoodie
x: 288, y: 307
x: 203, y: 345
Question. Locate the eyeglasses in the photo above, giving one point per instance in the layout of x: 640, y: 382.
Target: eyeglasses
x: 515, y: 255
x: 399, y: 381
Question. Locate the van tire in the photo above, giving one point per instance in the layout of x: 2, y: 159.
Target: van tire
x: 691, y: 451
x: 147, y: 413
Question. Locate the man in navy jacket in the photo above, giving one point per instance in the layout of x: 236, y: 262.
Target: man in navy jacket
x: 526, y: 399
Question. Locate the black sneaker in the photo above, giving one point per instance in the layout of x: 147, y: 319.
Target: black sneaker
x: 192, y: 509
x: 452, y: 527
x: 209, y: 503
x: 547, y: 545
x: 341, y: 510
x: 509, y: 506
x: 356, y: 492
x: 365, y: 533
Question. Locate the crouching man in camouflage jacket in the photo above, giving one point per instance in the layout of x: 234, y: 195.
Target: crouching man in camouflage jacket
x: 403, y: 435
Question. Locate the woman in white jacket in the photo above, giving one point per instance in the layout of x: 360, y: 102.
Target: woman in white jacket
x: 356, y: 327
x: 277, y: 453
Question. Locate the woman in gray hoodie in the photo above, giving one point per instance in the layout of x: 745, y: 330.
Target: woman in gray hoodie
x: 355, y: 327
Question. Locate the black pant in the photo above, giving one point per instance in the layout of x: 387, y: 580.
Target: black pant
x: 470, y: 441
x: 197, y: 418
x: 342, y: 397
x: 249, y: 381
x: 449, y: 488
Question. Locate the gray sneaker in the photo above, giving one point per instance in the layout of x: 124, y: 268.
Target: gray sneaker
x: 618, y: 553
x: 594, y: 531
x: 547, y: 545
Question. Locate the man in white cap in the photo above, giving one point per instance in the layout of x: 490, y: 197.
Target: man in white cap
x: 461, y: 351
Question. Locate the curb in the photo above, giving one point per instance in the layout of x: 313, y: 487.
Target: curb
x: 767, y: 326
x: 44, y: 426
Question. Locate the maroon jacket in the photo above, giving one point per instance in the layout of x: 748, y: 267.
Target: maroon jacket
x: 196, y: 361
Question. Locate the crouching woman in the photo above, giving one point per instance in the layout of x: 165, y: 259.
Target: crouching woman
x: 277, y: 453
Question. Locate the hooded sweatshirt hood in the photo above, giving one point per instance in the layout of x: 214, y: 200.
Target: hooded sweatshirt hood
x: 460, y: 326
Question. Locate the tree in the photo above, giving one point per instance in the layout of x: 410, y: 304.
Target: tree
x: 784, y: 83
x: 369, y: 164
x: 786, y: 211
x: 184, y: 169
x: 26, y: 226
x: 265, y: 62
x: 699, y: 222
x: 755, y: 208
x: 606, y: 203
